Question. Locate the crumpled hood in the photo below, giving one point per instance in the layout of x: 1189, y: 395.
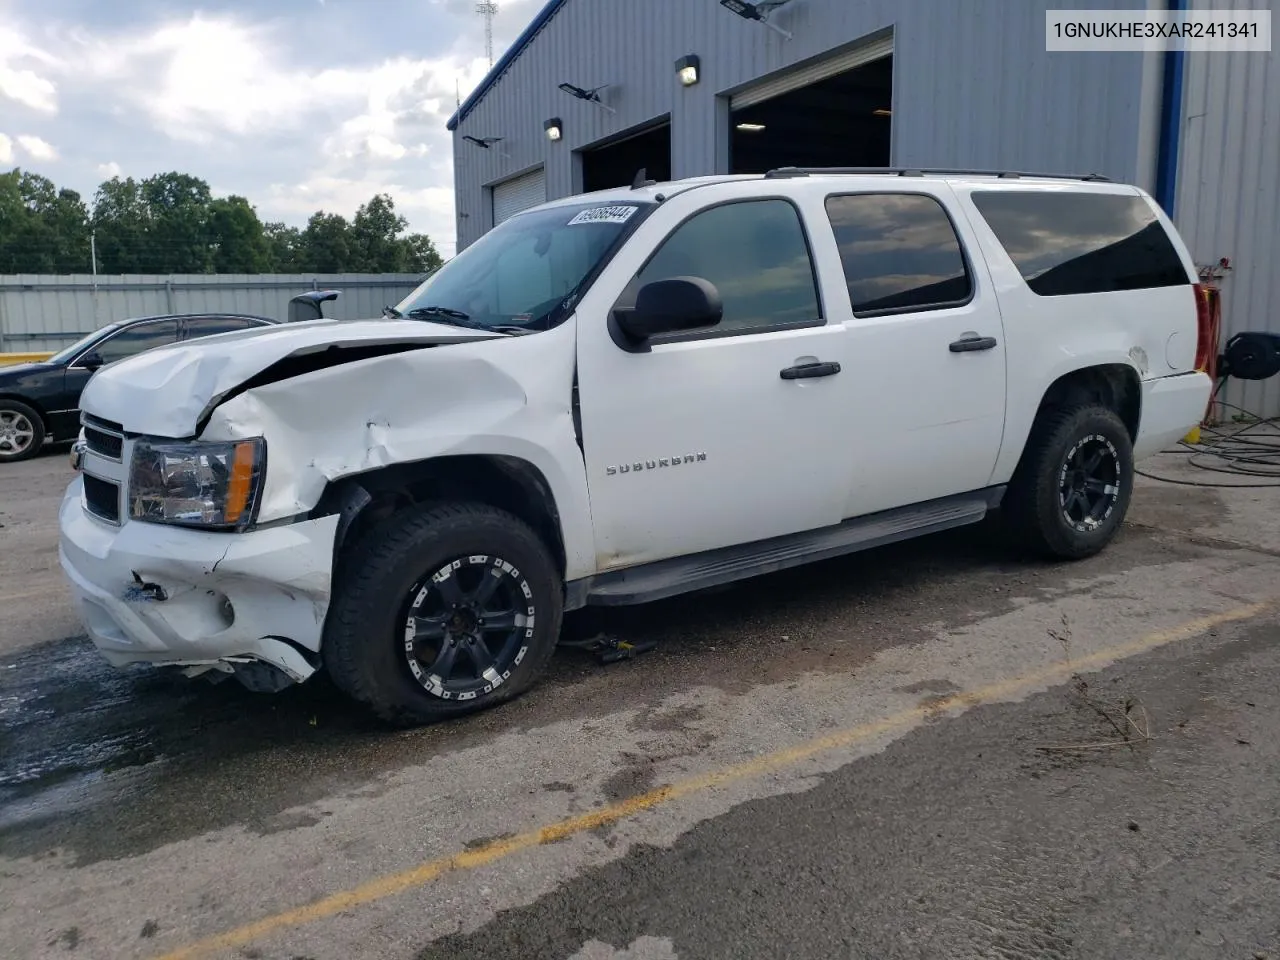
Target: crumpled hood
x: 170, y: 391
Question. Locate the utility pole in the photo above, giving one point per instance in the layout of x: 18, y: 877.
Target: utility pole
x: 488, y: 9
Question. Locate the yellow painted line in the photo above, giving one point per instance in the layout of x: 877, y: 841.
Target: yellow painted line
x: 396, y: 883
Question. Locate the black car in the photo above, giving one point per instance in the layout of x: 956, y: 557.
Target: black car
x: 40, y: 401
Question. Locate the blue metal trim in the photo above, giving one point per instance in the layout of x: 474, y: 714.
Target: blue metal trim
x: 508, y: 58
x: 1170, y: 122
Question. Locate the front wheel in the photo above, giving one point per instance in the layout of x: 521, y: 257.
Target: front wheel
x: 1071, y: 491
x: 21, y: 431
x: 444, y: 609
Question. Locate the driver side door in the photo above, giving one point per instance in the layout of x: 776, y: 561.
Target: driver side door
x: 707, y: 439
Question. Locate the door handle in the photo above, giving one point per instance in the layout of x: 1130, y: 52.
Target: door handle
x: 805, y: 371
x: 970, y: 344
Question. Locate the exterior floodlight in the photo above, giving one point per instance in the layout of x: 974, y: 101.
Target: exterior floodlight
x: 487, y: 143
x: 687, y: 69
x: 553, y: 128
x: 758, y: 11
x: 590, y: 96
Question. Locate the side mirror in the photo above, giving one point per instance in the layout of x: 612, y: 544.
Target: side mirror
x: 670, y: 306
x: 310, y: 305
x: 91, y: 360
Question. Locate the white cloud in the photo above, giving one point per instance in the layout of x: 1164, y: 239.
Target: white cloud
x: 36, y: 148
x: 6, y: 149
x: 19, y: 80
x: 233, y: 97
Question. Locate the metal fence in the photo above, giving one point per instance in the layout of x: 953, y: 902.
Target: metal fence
x: 46, y: 313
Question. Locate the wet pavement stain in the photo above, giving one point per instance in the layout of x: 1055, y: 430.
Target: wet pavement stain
x: 81, y: 743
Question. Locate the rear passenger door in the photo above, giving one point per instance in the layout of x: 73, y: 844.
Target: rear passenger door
x: 926, y: 353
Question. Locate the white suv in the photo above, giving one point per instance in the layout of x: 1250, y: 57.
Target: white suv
x: 622, y: 396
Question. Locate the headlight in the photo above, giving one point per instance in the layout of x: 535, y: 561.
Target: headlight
x: 209, y: 485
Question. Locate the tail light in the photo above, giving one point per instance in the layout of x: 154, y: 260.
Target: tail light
x: 1206, y: 345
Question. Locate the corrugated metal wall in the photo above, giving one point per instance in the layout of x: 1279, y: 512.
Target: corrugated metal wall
x: 973, y: 86
x: 1228, y: 201
x: 49, y: 312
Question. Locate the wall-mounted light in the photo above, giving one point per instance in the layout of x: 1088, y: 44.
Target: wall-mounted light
x: 487, y: 143
x: 554, y: 130
x: 751, y: 127
x: 590, y: 96
x: 758, y: 11
x: 688, y: 69
x: 881, y: 112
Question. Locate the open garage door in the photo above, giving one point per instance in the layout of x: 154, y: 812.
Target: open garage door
x: 616, y: 162
x: 831, y: 113
x: 519, y: 193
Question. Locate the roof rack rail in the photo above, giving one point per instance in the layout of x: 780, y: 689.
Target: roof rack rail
x: 781, y: 173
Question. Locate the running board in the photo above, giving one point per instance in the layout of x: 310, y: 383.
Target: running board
x: 668, y: 578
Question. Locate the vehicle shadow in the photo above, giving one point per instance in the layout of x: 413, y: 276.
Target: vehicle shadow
x: 80, y: 740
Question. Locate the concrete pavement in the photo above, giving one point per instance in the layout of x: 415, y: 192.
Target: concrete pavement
x: 787, y: 774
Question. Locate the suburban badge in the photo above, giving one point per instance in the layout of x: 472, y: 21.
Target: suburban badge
x: 658, y: 464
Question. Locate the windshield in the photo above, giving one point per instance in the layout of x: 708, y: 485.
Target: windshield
x: 68, y: 353
x: 526, y: 272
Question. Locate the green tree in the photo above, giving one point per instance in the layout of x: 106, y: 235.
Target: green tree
x: 284, y: 247
x: 375, y: 231
x: 42, y: 229
x: 120, y: 224
x: 178, y: 231
x: 419, y: 254
x: 239, y: 242
x: 326, y: 244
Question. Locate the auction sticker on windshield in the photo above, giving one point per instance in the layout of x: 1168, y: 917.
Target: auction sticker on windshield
x: 618, y: 214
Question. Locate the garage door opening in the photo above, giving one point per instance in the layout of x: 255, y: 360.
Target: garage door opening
x: 518, y: 193
x: 614, y: 164
x: 816, y: 118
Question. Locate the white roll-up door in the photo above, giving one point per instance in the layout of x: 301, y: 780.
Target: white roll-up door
x: 518, y: 193
x: 811, y: 73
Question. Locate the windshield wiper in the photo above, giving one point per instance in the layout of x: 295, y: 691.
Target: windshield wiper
x: 419, y: 313
x: 393, y: 313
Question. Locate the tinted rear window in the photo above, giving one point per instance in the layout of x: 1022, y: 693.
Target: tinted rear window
x: 1077, y: 242
x: 899, y: 252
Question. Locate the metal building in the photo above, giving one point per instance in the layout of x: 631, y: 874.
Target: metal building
x: 689, y: 88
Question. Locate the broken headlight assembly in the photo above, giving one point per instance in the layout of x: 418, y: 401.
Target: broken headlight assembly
x: 213, y: 486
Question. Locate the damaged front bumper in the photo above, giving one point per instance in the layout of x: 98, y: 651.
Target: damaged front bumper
x: 230, y: 602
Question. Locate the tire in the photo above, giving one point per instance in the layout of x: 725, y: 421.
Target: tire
x: 22, y: 432
x: 401, y: 575
x: 1043, y: 506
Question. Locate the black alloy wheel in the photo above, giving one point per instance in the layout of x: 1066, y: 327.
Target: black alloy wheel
x: 1089, y: 482
x: 468, y: 626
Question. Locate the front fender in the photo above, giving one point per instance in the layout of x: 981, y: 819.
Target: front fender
x: 508, y: 397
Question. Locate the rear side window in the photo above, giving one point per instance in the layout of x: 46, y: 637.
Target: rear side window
x: 900, y: 253
x: 1075, y: 242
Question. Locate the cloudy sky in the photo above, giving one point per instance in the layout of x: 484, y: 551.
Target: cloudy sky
x: 298, y: 105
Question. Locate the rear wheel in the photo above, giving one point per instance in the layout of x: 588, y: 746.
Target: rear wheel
x: 21, y: 431
x: 1071, y: 491
x: 443, y: 610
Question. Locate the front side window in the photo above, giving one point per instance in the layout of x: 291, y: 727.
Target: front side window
x: 134, y: 340
x: 756, y: 254
x: 899, y: 252
x: 528, y: 271
x: 1073, y: 241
